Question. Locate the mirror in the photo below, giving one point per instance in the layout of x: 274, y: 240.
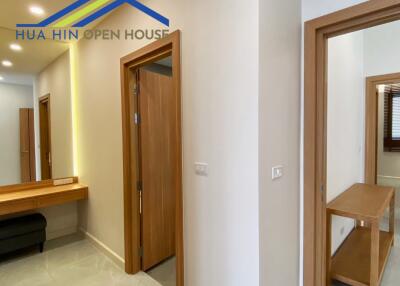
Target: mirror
x: 35, y: 110
x: 363, y: 110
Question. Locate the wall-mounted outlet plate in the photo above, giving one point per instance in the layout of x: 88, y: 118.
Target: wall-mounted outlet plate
x: 63, y: 182
x: 201, y: 169
x: 277, y: 172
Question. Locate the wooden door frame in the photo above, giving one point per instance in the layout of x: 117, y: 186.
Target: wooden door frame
x: 371, y: 123
x: 317, y: 33
x: 42, y: 99
x: 150, y: 53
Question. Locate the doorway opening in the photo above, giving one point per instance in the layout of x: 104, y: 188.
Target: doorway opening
x: 151, y: 107
x: 155, y: 118
x: 379, y: 119
x: 317, y: 33
x: 45, y: 137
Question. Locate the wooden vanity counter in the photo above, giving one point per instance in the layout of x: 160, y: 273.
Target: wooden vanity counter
x: 31, y: 196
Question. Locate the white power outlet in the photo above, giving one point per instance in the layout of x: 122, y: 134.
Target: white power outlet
x: 277, y: 172
x: 60, y: 182
x: 201, y: 169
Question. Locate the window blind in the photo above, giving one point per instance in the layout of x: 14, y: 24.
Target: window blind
x: 392, y: 118
x: 396, y: 118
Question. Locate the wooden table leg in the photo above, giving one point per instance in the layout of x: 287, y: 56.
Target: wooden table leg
x: 374, y: 271
x: 328, y: 247
x: 392, y: 217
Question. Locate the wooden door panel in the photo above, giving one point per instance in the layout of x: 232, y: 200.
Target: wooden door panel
x: 45, y: 138
x: 158, y: 146
x: 24, y: 145
x: 27, y: 145
x: 170, y: 143
x: 32, y: 151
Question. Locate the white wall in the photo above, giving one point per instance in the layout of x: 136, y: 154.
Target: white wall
x: 380, y: 57
x: 316, y: 8
x: 12, y: 98
x: 220, y: 126
x: 279, y: 112
x: 55, y: 80
x: 345, y: 136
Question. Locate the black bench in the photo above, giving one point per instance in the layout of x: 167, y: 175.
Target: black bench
x: 21, y: 232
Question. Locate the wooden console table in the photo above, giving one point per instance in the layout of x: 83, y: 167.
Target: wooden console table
x: 362, y: 257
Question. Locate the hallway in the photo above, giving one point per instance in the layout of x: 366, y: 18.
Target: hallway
x: 67, y: 261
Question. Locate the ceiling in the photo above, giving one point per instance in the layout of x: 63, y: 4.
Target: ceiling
x: 17, y: 11
x: 36, y: 55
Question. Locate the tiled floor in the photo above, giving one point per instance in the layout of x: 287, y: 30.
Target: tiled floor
x: 70, y: 261
x: 165, y: 273
x: 391, y: 276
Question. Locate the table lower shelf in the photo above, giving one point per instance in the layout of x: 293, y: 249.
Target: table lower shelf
x: 351, y: 263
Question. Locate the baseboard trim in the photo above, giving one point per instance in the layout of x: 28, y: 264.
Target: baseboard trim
x: 388, y: 177
x: 104, y: 249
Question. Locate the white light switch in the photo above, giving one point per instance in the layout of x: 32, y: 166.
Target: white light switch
x: 201, y: 169
x: 277, y: 172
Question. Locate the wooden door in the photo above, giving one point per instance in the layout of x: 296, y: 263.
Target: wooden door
x: 158, y: 147
x: 45, y: 138
x: 27, y: 145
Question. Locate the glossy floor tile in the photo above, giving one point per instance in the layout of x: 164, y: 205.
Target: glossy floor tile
x: 165, y: 273
x: 65, y: 262
x: 391, y: 277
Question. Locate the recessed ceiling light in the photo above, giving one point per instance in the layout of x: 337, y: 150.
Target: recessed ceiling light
x: 15, y: 47
x: 36, y: 10
x: 7, y: 63
x: 1, y: 78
